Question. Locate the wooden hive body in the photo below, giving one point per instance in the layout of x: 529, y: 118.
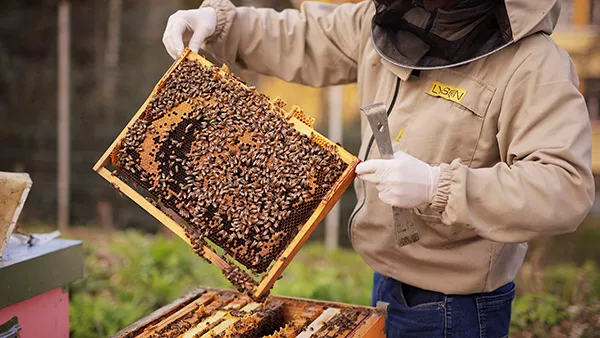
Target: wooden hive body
x: 245, y: 190
x: 224, y: 313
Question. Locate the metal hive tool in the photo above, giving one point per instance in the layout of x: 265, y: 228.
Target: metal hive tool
x: 227, y: 314
x: 228, y: 170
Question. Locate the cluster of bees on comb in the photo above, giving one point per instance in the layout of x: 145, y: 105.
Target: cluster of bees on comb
x: 227, y: 161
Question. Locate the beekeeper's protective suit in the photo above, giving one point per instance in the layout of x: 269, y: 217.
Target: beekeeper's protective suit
x: 492, y: 137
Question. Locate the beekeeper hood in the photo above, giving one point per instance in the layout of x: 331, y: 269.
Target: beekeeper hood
x: 408, y: 35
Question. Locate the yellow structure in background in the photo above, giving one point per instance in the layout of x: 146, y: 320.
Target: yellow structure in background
x: 581, y: 12
x: 582, y: 40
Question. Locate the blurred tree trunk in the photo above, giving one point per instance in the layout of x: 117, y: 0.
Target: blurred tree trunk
x: 99, y: 38
x: 64, y: 114
x: 105, y: 215
x: 111, y: 58
x: 157, y: 12
x: 109, y: 87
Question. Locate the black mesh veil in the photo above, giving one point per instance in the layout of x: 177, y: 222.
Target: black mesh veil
x: 406, y: 34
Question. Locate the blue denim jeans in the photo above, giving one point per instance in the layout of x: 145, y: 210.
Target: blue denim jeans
x: 414, y: 312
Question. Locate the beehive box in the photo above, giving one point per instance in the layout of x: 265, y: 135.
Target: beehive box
x: 228, y: 170
x: 223, y: 313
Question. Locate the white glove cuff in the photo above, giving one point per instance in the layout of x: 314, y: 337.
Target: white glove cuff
x: 441, y: 193
x: 433, y: 179
x: 225, y: 15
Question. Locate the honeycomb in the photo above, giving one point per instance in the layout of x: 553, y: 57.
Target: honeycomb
x: 228, y: 161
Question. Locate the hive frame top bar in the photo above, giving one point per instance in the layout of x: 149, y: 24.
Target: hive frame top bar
x: 315, y: 314
x: 301, y: 123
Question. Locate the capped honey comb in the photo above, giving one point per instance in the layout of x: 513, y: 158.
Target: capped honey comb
x: 228, y: 170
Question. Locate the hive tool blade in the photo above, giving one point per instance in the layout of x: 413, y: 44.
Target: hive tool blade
x: 404, y: 223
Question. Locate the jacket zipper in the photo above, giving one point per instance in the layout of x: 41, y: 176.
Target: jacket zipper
x: 389, y: 111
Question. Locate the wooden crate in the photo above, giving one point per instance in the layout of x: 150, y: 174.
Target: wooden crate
x: 211, y: 312
x: 301, y: 123
x: 14, y: 188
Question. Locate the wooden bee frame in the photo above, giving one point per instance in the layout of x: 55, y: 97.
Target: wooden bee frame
x: 301, y: 123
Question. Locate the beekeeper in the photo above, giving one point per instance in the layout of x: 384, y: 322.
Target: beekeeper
x: 492, y: 137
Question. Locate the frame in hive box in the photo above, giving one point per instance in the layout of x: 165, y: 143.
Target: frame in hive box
x: 207, y: 312
x: 228, y: 170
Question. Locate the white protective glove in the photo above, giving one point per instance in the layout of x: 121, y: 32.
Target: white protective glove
x: 403, y: 181
x: 193, y: 26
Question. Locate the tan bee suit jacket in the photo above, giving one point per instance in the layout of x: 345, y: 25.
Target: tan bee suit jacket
x: 510, y: 132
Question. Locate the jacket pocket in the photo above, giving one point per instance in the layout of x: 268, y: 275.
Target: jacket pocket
x: 426, y: 319
x: 435, y: 234
x: 447, y: 118
x: 494, y: 313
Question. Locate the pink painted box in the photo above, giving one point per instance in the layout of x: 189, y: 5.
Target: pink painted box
x: 33, y: 287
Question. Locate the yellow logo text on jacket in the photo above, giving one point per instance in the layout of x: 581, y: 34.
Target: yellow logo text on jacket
x: 447, y: 92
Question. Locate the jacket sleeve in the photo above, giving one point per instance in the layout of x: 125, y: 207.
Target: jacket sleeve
x: 544, y: 184
x: 316, y: 46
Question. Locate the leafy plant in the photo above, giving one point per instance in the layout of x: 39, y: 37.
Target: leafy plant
x: 574, y: 284
x: 543, y: 309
